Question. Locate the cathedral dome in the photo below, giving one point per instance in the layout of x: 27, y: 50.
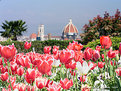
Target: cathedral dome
x: 70, y: 28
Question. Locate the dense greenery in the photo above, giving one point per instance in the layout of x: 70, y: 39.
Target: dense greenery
x: 39, y: 45
x: 13, y: 29
x: 115, y: 43
x: 106, y: 25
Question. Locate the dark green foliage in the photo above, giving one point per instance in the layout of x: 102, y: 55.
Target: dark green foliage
x: 38, y: 45
x: 100, y: 26
x: 115, y: 43
x: 13, y: 29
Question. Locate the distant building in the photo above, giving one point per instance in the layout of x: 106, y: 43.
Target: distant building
x: 23, y: 38
x: 70, y: 32
x: 40, y: 35
x: 50, y: 37
x: 33, y: 37
x: 3, y: 38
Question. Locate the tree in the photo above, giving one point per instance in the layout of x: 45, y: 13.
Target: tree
x: 13, y: 29
x: 107, y: 25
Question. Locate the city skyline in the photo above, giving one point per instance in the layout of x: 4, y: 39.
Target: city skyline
x: 54, y: 15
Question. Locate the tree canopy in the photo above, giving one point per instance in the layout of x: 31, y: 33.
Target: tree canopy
x: 13, y: 29
x: 106, y: 25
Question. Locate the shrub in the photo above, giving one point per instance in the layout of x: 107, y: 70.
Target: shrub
x: 115, y: 43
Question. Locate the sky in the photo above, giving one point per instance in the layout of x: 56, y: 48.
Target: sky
x: 55, y: 14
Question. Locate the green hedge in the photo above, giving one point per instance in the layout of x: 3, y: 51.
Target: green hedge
x: 115, y: 43
x: 39, y: 45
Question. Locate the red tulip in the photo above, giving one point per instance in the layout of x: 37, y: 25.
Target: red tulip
x: 4, y: 76
x: 55, y: 49
x: 54, y: 87
x: 18, y: 56
x: 41, y: 82
x: 30, y: 75
x: 102, y: 55
x: 38, y: 74
x: 101, y: 64
x: 71, y: 65
x: 113, y: 63
x: 96, y: 55
x: 83, y: 78
x: 73, y: 73
x: 85, y: 87
x: 3, y: 89
x: 120, y: 48
x: 59, y: 65
x: 118, y: 71
x: 75, y: 46
x: 9, y: 89
x: 94, y: 65
x: 66, y: 56
x: 27, y: 45
x: 34, y: 57
x: 78, y: 56
x: 78, y: 47
x: 24, y: 61
x: 30, y: 88
x: 1, y: 61
x: 45, y: 66
x: 3, y: 69
x: 47, y: 49
x: 8, y: 52
x: 56, y: 56
x: 66, y: 84
x: 13, y: 66
x: 88, y: 53
x: 112, y: 54
x: 105, y: 42
x: 98, y: 48
x: 20, y: 71
x: 12, y: 80
x: 22, y: 87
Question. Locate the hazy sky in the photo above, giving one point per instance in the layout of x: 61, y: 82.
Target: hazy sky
x: 55, y: 14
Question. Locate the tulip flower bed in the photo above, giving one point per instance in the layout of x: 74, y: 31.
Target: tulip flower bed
x: 69, y: 69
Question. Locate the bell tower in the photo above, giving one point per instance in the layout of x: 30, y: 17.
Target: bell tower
x: 40, y: 34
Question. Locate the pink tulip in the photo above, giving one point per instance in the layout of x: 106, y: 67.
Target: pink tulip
x: 96, y: 55
x: 45, y: 66
x: 8, y: 52
x: 54, y: 87
x: 101, y: 64
x: 112, y: 54
x: 88, y: 53
x: 47, y: 49
x: 27, y: 45
x: 66, y: 84
x: 30, y: 75
x: 66, y: 56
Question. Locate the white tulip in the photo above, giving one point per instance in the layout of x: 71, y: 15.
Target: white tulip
x: 83, y: 68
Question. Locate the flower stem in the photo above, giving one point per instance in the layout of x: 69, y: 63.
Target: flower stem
x: 76, y: 81
x: 9, y: 74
